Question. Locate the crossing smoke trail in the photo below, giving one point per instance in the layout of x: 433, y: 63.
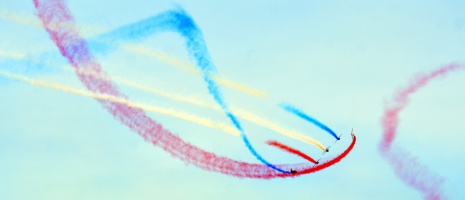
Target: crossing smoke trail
x: 291, y: 150
x: 177, y: 97
x: 168, y: 21
x: 191, y: 100
x: 407, y: 167
x: 164, y: 111
x: 74, y: 48
x: 275, y: 127
x: 105, y: 43
x: 133, y: 32
x: 307, y: 118
x: 159, y: 110
x: 179, y: 22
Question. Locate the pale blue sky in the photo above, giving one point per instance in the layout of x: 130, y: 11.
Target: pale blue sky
x: 337, y: 60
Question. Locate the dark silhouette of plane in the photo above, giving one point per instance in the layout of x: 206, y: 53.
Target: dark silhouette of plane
x: 293, y: 171
x: 326, y: 150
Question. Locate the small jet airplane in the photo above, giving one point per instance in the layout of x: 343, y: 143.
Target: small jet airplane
x: 326, y: 150
x: 293, y: 171
x: 318, y: 161
x: 339, y: 138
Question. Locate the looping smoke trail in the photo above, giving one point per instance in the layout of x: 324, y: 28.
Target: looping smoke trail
x: 291, y: 150
x: 407, y: 167
x: 180, y: 22
x: 136, y: 31
x: 307, y: 118
x: 75, y: 50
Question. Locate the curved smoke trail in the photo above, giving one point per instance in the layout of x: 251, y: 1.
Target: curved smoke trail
x: 74, y: 48
x: 180, y: 22
x: 291, y: 150
x: 307, y: 118
x: 108, y: 42
x: 406, y: 166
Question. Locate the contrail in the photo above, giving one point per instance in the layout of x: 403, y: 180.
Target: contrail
x: 307, y: 118
x: 137, y: 49
x: 406, y: 166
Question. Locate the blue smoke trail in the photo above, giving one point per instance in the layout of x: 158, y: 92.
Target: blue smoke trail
x: 177, y: 21
x: 25, y: 68
x: 304, y: 116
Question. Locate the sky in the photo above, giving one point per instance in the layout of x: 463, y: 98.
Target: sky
x: 339, y: 61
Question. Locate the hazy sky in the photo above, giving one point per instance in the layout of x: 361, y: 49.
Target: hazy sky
x: 337, y: 60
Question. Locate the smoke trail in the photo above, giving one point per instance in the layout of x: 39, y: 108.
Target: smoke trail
x: 180, y: 115
x: 406, y: 166
x: 20, y: 18
x: 307, y: 118
x: 164, y: 111
x: 177, y: 21
x: 107, y: 43
x: 275, y: 127
x: 190, y: 68
x: 291, y: 150
x: 239, y: 112
x: 186, y: 99
x: 75, y: 50
x: 181, y: 23
x: 9, y: 54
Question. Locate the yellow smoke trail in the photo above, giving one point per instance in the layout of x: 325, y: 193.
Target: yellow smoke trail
x: 275, y: 127
x: 141, y: 50
x: 182, y: 98
x: 5, y: 14
x: 10, y: 54
x: 240, y: 113
x: 187, y: 67
x: 181, y: 115
x: 87, y: 30
x: 191, y: 100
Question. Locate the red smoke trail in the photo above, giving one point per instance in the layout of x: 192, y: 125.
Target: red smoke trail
x: 54, y: 13
x: 406, y: 166
x: 291, y: 150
